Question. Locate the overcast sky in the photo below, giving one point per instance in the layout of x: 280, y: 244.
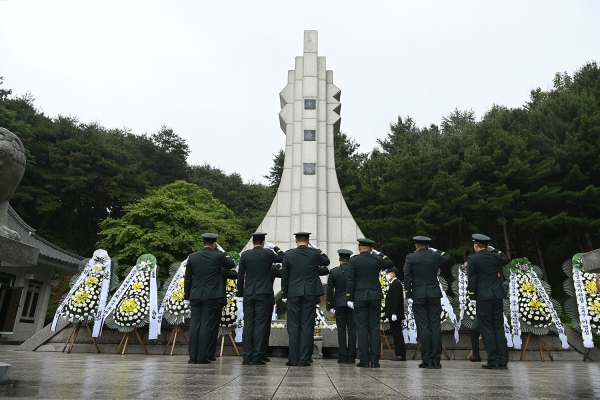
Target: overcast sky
x: 213, y: 70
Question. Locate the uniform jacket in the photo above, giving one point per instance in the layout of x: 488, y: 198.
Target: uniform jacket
x: 336, y: 287
x: 421, y: 273
x: 363, y: 276
x: 394, y: 301
x: 483, y: 268
x: 254, y: 272
x: 227, y: 274
x: 302, y: 267
x: 275, y: 273
x: 203, y: 280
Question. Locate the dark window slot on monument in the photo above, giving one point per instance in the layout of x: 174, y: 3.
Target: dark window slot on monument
x: 310, y: 104
x: 309, y: 168
x: 310, y: 135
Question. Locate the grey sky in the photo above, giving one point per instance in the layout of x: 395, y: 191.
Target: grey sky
x: 213, y: 71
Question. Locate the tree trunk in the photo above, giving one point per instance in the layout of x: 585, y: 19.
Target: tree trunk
x: 588, y: 240
x: 540, y: 257
x: 506, y: 241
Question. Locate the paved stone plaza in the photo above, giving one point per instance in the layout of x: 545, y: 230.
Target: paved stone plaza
x: 45, y: 375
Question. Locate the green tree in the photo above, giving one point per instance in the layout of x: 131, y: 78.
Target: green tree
x: 168, y: 223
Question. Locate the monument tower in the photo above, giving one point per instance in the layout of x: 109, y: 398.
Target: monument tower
x: 309, y: 196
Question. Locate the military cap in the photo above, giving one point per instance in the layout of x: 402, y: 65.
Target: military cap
x: 209, y: 236
x: 393, y: 269
x: 302, y: 234
x: 258, y: 234
x: 365, y: 242
x: 345, y: 252
x: 421, y: 239
x: 478, y: 237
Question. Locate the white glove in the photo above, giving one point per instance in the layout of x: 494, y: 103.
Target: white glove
x: 375, y: 252
x: 473, y: 302
x: 240, y: 299
x: 220, y: 248
x: 313, y: 246
x: 394, y: 317
x: 433, y: 249
x: 186, y: 303
x: 491, y: 248
x: 269, y: 245
x: 284, y: 300
x: 332, y: 311
x: 409, y: 301
x: 351, y: 304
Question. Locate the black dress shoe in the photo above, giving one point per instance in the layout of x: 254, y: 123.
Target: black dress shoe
x: 423, y: 365
x: 203, y: 362
x: 342, y: 362
x: 503, y: 366
x: 350, y: 361
x: 289, y: 364
x: 398, y: 358
x: 435, y: 366
x: 259, y: 362
x: 362, y: 365
x: 310, y: 361
x: 212, y: 359
x: 475, y: 359
x: 375, y: 365
x: 490, y: 366
x: 246, y: 363
x: 266, y: 359
x: 190, y: 361
x: 304, y: 365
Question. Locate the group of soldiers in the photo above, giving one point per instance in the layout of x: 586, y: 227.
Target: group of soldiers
x: 354, y: 295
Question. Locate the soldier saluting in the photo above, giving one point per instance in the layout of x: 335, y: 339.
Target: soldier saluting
x: 256, y: 289
x: 338, y: 304
x: 487, y: 293
x: 300, y: 289
x: 423, y: 291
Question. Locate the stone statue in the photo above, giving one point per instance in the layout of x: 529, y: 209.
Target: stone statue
x: 12, y: 168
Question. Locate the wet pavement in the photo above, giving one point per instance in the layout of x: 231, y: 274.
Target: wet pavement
x: 45, y: 375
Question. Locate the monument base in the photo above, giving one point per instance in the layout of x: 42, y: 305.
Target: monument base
x: 17, y: 254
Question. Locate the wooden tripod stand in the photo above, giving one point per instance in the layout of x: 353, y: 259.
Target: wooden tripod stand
x: 540, y: 340
x: 232, y: 342
x: 73, y: 336
x: 125, y: 340
x: 387, y: 343
x: 173, y: 338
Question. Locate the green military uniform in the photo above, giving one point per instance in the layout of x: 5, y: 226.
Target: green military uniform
x: 212, y: 348
x: 203, y: 287
x: 485, y: 287
x: 275, y: 273
x: 421, y: 283
x: 255, y: 286
x: 364, y: 291
x: 344, y: 315
x: 301, y: 287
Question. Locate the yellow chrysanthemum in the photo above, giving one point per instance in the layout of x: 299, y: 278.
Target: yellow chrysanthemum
x: 137, y: 286
x: 229, y: 302
x: 381, y: 281
x: 177, y: 295
x: 181, y: 282
x: 535, y: 303
x: 90, y: 281
x: 528, y: 287
x: 96, y: 268
x: 81, y: 296
x: 129, y: 305
x: 230, y: 284
x: 596, y: 307
x: 591, y: 288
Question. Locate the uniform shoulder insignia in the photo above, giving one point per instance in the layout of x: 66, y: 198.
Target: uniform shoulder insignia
x: 471, y: 292
x: 442, y: 253
x: 384, y: 257
x: 347, y: 294
x: 499, y: 252
x: 322, y: 253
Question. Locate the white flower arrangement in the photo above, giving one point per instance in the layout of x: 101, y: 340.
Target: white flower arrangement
x: 532, y: 310
x: 592, y: 296
x: 385, y: 288
x: 176, y: 311
x: 133, y: 308
x: 83, y: 304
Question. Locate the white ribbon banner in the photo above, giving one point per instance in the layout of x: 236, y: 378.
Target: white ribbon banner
x: 323, y: 321
x: 514, y: 311
x: 507, y: 334
x: 172, y: 287
x: 101, y: 256
x: 239, y: 330
x: 112, y: 304
x: 584, y: 318
x: 153, y: 334
x: 450, y: 311
x: 78, y: 283
x: 412, y: 326
x: 463, y: 281
x: 555, y: 318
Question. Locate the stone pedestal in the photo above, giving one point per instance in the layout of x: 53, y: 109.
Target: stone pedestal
x: 591, y: 261
x: 317, y: 347
x: 17, y: 254
x: 5, y: 372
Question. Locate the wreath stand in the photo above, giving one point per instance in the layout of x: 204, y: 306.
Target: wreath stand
x: 177, y: 330
x: 540, y: 340
x: 419, y: 348
x: 384, y: 337
x: 73, y: 336
x: 125, y: 340
x: 223, y: 344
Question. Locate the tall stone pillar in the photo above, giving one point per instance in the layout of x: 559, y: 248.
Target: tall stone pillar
x: 309, y: 196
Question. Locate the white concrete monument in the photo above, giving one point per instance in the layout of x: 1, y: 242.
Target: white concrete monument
x: 309, y: 196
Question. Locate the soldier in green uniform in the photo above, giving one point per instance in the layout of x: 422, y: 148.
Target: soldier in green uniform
x: 256, y: 289
x: 275, y: 273
x: 300, y: 289
x: 203, y: 287
x: 364, y: 294
x: 423, y: 291
x: 337, y: 303
x: 487, y: 293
